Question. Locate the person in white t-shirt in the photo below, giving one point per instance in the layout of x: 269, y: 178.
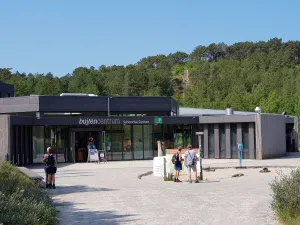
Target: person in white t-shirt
x: 191, y: 162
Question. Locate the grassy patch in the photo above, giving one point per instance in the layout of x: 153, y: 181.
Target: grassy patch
x: 286, y: 197
x: 22, y: 202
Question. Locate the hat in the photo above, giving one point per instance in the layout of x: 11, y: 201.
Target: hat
x: 190, y: 146
x: 179, y: 148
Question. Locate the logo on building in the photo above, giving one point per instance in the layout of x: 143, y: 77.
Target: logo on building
x: 158, y: 120
x: 89, y: 121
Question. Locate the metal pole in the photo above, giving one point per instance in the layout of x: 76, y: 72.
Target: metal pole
x: 200, y: 156
x: 108, y: 107
x: 241, y: 150
x: 241, y: 157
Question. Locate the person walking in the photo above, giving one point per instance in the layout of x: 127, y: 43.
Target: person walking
x: 177, y: 159
x: 51, y: 168
x: 45, y: 166
x: 191, y: 163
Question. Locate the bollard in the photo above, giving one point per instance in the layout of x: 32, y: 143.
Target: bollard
x: 200, y: 152
x: 200, y: 156
x: 201, y: 170
x: 241, y: 150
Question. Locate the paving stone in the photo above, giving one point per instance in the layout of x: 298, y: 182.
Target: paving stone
x: 111, y: 193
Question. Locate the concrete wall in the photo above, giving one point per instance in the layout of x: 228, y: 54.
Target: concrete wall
x: 228, y: 146
x: 270, y: 136
x: 217, y: 140
x: 4, y: 136
x: 251, y: 141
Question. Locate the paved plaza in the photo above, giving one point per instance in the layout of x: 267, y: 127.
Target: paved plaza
x: 112, y: 193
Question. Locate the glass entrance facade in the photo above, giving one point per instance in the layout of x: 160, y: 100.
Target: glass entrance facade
x: 136, y: 142
x: 55, y: 136
x: 121, y: 142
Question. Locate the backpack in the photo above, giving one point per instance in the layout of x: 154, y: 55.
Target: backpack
x: 174, y: 158
x: 50, y: 161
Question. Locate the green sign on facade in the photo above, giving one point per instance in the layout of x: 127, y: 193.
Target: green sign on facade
x: 158, y: 120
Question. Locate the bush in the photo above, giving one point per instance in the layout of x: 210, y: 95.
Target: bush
x: 286, y: 197
x: 22, y: 202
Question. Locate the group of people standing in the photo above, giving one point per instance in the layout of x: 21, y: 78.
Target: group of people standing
x: 190, y: 161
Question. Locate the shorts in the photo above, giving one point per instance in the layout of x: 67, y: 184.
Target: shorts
x: 178, y: 167
x: 51, y: 170
x: 192, y: 167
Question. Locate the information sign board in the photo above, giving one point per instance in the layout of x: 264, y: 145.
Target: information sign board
x: 93, y: 155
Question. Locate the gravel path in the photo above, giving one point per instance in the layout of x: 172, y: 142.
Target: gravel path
x: 112, y: 194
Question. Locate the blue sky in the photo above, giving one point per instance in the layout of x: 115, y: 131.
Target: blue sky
x: 59, y: 35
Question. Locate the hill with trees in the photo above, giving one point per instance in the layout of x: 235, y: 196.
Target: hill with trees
x: 242, y: 76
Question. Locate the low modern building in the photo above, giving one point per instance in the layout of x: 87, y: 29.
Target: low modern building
x: 6, y: 90
x: 129, y: 128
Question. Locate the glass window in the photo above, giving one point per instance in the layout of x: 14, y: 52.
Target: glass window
x: 108, y: 142
x: 127, y: 143
x: 168, y: 136
x: 222, y: 136
x: 62, y: 143
x: 211, y: 141
x: 137, y: 141
x: 157, y: 136
x: 187, y: 136
x: 50, y: 138
x: 245, y: 138
x: 148, y: 149
x: 178, y: 136
x: 233, y: 141
x: 38, y: 143
x: 116, y: 141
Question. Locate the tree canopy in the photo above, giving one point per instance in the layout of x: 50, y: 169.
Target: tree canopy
x: 242, y: 76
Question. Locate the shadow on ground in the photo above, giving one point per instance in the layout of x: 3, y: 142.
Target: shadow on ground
x: 292, y: 155
x: 77, y: 189
x: 69, y: 214
x: 41, y: 166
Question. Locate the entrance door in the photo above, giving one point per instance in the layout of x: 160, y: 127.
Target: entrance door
x: 79, y: 139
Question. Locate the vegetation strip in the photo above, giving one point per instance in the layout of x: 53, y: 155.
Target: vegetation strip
x: 22, y: 202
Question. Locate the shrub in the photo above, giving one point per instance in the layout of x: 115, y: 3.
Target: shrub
x: 22, y: 202
x: 286, y: 197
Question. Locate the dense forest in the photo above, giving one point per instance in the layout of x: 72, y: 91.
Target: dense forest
x: 242, y: 76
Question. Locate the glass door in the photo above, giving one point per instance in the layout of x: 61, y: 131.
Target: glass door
x: 127, y: 143
x: 62, y: 143
x: 106, y: 144
x: 137, y: 140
